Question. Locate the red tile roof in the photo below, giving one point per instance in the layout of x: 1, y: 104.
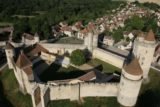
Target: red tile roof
x: 87, y: 76
x: 36, y: 49
x: 23, y: 61
x: 28, y: 70
x: 28, y: 36
x: 150, y: 36
x: 9, y: 46
x: 85, y: 30
x: 66, y: 28
x: 133, y: 67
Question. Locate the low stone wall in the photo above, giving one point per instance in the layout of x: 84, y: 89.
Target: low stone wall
x: 108, y: 57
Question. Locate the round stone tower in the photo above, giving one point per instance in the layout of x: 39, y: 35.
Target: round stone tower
x: 10, y: 53
x: 144, y: 48
x: 36, y: 37
x: 130, y: 83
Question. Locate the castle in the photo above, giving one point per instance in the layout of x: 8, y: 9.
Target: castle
x: 23, y: 60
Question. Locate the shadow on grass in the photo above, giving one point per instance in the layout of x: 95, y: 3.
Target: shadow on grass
x: 3, y: 101
x: 149, y: 98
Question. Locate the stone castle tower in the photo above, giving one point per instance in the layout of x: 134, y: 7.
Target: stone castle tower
x: 10, y: 53
x: 144, y: 48
x: 130, y: 83
x: 36, y: 38
x: 91, y: 41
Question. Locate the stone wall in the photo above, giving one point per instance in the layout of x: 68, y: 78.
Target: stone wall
x: 76, y: 91
x: 108, y: 57
x: 62, y: 48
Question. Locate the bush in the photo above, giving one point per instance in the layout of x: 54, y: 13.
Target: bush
x: 78, y: 57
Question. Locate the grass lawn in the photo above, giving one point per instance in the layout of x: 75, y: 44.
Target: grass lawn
x: 105, y: 67
x: 150, y: 93
x: 56, y: 72
x: 4, y: 24
x: 69, y: 40
x: 87, y: 102
x: 11, y: 92
x: 24, y: 16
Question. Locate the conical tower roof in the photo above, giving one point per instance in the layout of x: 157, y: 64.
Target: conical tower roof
x: 9, y: 46
x: 133, y: 67
x: 23, y: 61
x: 36, y: 34
x: 150, y: 36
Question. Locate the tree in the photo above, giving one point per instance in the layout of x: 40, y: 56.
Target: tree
x: 78, y: 57
x: 151, y: 23
x: 118, y: 34
x: 20, y: 27
x: 135, y: 22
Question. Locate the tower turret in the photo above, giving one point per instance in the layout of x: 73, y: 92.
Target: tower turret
x: 144, y: 48
x: 130, y: 83
x: 10, y: 53
x: 36, y: 37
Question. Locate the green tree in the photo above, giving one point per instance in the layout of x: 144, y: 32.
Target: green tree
x: 20, y: 27
x: 78, y: 57
x: 135, y: 23
x: 118, y: 34
x: 150, y: 23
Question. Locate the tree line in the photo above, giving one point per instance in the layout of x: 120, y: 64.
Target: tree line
x: 51, y: 12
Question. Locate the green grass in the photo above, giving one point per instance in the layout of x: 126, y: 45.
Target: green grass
x: 154, y: 83
x: 87, y: 102
x: 105, y: 67
x: 69, y: 40
x: 56, y: 72
x: 4, y: 24
x: 150, y: 93
x: 11, y: 91
x: 24, y: 16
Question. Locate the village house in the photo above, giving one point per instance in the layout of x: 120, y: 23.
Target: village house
x: 128, y: 35
x: 29, y: 39
x: 67, y: 30
x: 77, y: 26
x: 108, y: 40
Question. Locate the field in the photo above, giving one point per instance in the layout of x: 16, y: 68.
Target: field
x: 9, y: 92
x: 4, y: 24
